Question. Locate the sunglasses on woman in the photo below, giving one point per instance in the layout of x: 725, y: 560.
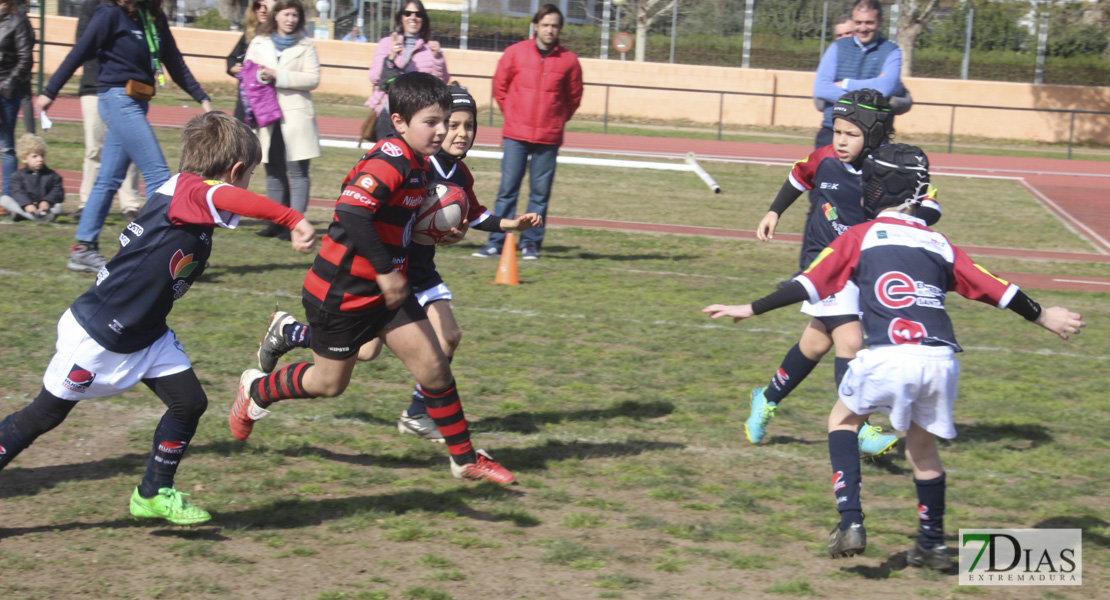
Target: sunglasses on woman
x: 412, y: 13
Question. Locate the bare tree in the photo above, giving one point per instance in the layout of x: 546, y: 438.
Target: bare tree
x: 643, y: 13
x: 913, y: 15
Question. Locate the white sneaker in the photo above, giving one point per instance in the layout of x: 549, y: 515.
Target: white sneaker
x: 420, y: 426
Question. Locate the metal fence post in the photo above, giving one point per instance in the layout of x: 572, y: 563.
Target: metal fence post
x: 746, y: 57
x: 720, y: 116
x: 1071, y: 132
x: 605, y: 115
x: 951, y: 128
x: 967, y: 41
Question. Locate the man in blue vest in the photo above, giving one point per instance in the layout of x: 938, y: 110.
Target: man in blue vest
x: 864, y: 60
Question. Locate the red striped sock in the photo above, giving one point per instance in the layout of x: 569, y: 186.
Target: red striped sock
x: 446, y: 410
x: 286, y: 383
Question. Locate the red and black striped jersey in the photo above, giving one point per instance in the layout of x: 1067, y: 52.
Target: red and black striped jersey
x: 382, y: 193
x: 904, y: 271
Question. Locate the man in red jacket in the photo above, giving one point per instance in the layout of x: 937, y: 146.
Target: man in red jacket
x: 538, y: 86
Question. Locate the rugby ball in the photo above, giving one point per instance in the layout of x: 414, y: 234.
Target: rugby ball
x: 443, y: 209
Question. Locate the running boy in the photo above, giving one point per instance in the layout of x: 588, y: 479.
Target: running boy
x: 908, y: 370
x: 862, y: 122
x: 285, y: 333
x: 357, y: 291
x: 37, y: 191
x: 115, y: 335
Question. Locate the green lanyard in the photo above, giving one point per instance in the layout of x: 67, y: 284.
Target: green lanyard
x: 152, y: 43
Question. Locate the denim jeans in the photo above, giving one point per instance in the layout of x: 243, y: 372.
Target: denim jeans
x: 542, y: 173
x: 8, y: 111
x: 129, y: 139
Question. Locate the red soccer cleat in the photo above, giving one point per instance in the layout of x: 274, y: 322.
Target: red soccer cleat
x: 486, y: 469
x: 245, y: 411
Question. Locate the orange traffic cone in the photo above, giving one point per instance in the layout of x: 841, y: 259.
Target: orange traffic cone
x: 506, y: 269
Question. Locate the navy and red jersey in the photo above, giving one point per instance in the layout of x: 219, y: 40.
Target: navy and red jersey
x: 422, y: 269
x: 370, y: 229
x: 834, y: 199
x: 903, y: 270
x: 162, y: 253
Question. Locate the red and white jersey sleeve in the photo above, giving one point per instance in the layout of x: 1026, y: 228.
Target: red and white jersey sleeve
x: 804, y: 172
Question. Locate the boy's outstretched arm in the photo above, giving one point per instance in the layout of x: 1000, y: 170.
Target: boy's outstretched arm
x: 303, y: 237
x: 738, y: 312
x: 1060, y: 321
x: 522, y: 223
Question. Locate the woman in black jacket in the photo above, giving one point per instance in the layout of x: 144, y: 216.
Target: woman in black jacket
x: 17, y: 40
x: 257, y: 14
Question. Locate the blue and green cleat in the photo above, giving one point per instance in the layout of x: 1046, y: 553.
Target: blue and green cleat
x: 873, y: 443
x: 762, y: 411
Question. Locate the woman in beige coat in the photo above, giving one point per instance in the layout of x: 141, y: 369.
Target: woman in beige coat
x: 287, y: 59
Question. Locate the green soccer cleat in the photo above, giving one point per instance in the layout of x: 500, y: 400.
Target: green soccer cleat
x: 169, y: 505
x: 762, y: 411
x: 873, y: 443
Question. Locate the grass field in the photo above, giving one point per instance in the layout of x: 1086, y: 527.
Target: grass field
x: 596, y: 381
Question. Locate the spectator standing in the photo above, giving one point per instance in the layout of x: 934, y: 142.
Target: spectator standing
x: 407, y: 48
x: 130, y: 65
x: 130, y: 202
x: 287, y: 60
x: 538, y: 86
x: 256, y: 15
x: 864, y: 60
x: 355, y: 35
x: 17, y: 39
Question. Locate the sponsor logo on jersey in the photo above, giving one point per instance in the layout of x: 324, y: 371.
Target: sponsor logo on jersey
x: 905, y: 331
x: 124, y: 240
x: 367, y: 182
x: 838, y: 481
x: 413, y: 200
x: 116, y: 326
x: 830, y: 211
x: 898, y: 290
x: 135, y: 228
x: 356, y: 193
x: 204, y: 238
x: 418, y: 180
x: 79, y: 379
x: 172, y: 447
x: 102, y: 274
x: 179, y: 288
x: 923, y: 512
x: 392, y: 149
x: 829, y: 185
x: 181, y: 265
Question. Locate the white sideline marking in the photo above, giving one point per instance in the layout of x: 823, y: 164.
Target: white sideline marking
x: 1082, y: 281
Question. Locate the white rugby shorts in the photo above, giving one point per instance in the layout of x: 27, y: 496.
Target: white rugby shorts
x: 910, y: 383
x: 439, y: 292
x: 82, y: 368
x: 844, y: 302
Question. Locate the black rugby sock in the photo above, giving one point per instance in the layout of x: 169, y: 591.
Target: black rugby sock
x: 298, y: 334
x: 171, y: 439
x: 794, y: 369
x: 930, y: 511
x: 846, y: 480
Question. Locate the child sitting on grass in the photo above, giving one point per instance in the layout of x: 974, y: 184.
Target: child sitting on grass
x: 908, y: 369
x: 37, y: 191
x: 115, y: 335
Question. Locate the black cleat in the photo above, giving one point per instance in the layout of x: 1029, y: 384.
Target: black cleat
x: 273, y: 344
x: 935, y: 558
x: 848, y: 542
